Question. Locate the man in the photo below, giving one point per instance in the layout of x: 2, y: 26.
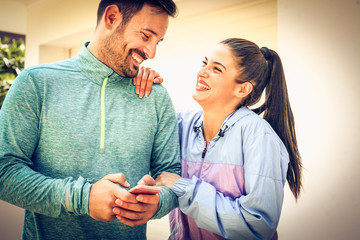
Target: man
x: 71, y: 132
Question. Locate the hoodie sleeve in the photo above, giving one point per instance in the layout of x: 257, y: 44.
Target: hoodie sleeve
x: 255, y: 214
x: 166, y: 152
x: 20, y: 184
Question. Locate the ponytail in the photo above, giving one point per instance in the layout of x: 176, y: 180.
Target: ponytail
x: 277, y: 112
x: 263, y: 69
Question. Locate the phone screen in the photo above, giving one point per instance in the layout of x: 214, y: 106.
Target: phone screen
x: 143, y: 189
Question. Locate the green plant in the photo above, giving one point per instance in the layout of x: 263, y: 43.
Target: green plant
x: 12, y: 57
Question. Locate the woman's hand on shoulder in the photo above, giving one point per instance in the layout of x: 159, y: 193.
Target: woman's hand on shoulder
x: 144, y: 81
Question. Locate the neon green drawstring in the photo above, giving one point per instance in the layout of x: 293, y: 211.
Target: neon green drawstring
x: 102, y: 130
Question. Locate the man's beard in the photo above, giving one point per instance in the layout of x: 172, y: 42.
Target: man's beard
x: 125, y: 69
x: 120, y: 62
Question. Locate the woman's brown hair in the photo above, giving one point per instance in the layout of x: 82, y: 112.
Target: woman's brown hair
x: 263, y: 69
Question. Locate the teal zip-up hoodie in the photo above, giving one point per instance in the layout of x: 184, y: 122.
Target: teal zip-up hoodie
x: 64, y: 126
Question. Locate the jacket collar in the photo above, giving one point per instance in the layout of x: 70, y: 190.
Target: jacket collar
x: 236, y: 116
x: 228, y: 122
x: 94, y: 69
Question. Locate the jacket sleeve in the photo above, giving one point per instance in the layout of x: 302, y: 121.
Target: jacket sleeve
x: 166, y: 151
x: 255, y: 214
x: 20, y: 184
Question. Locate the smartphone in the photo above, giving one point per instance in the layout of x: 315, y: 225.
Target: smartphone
x: 143, y: 189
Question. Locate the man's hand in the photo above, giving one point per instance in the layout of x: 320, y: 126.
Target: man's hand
x: 135, y: 214
x: 104, y: 193
x: 144, y: 81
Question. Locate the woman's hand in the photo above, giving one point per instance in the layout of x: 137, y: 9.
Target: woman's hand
x: 167, y: 179
x: 144, y: 81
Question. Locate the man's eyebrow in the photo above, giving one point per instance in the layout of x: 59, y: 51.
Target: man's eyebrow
x: 150, y: 30
x: 153, y: 32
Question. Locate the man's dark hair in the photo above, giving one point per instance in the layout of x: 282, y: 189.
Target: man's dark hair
x: 129, y: 8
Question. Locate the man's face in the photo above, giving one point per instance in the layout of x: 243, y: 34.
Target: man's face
x: 128, y: 46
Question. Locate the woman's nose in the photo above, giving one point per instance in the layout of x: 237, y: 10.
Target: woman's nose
x: 204, y: 72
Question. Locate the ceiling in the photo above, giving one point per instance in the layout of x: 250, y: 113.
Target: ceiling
x: 187, y: 9
x: 26, y: 2
x: 197, y: 6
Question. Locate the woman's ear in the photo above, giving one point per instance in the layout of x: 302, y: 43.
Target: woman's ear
x: 243, y: 90
x: 112, y: 17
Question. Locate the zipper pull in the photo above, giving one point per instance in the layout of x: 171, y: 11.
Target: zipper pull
x: 204, y: 152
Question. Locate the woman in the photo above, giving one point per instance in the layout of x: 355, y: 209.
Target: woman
x: 235, y: 163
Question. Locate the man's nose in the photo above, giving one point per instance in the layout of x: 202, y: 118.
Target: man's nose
x: 150, y: 51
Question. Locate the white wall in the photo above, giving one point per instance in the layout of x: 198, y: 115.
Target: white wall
x: 192, y: 36
x: 53, y: 23
x: 319, y: 42
x: 12, y: 17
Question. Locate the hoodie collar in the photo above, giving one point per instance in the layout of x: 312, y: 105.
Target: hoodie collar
x: 94, y: 69
x: 228, y: 122
x: 236, y: 116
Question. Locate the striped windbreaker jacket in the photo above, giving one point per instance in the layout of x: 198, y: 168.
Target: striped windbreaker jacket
x: 232, y: 186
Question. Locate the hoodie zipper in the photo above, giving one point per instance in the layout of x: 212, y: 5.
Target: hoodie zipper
x: 203, y: 154
x: 102, y: 124
x: 102, y: 121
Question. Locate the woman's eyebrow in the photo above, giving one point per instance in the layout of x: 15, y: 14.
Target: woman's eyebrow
x: 216, y: 63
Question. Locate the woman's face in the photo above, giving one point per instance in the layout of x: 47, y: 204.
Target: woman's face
x: 216, y: 85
